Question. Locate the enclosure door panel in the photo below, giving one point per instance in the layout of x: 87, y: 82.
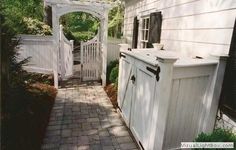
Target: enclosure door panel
x: 125, y: 88
x: 142, y: 104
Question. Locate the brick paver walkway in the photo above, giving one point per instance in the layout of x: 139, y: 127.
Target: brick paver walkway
x: 83, y: 119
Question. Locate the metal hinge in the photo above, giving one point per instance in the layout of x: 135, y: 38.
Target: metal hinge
x: 121, y: 55
x: 155, y: 72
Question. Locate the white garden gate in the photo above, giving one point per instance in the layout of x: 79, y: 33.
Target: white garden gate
x: 90, y: 54
x: 97, y: 8
x: 66, y: 56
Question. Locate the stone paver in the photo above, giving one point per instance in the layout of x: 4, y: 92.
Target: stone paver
x: 83, y: 118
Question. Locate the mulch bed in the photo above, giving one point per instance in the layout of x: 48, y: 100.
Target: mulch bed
x: 111, y: 91
x: 24, y: 127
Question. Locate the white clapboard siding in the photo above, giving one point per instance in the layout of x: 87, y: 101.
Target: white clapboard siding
x: 201, y: 36
x: 40, y: 50
x: 198, y: 7
x: 201, y: 21
x: 113, y: 49
x: 193, y: 48
x: 188, y: 26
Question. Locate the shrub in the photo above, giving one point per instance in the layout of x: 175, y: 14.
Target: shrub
x: 114, y: 74
x: 116, y: 83
x: 110, y: 66
x: 218, y: 135
x: 36, y: 27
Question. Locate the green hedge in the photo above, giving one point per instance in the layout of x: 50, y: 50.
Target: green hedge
x: 218, y: 135
x: 110, y: 66
x: 114, y: 74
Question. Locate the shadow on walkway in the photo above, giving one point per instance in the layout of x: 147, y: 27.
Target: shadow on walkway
x: 83, y: 118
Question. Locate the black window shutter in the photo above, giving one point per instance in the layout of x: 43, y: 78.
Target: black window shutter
x: 135, y: 33
x: 154, y: 29
x: 228, y: 96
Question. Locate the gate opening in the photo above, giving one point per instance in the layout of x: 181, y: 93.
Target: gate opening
x: 83, y: 29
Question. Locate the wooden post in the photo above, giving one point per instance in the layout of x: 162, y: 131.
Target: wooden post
x: 98, y: 57
x: 72, y: 57
x: 208, y: 119
x: 55, y: 24
x: 81, y: 59
x: 104, y: 25
x: 62, y: 52
x: 160, y: 108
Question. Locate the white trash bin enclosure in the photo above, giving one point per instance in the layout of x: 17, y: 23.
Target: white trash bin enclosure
x: 166, y: 99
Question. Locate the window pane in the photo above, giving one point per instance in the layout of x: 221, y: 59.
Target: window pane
x: 143, y: 24
x: 143, y: 34
x: 147, y: 23
x: 146, y: 35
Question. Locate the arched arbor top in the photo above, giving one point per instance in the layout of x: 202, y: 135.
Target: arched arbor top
x: 97, y: 8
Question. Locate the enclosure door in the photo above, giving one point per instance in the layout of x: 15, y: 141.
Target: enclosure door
x: 125, y: 88
x: 142, y: 103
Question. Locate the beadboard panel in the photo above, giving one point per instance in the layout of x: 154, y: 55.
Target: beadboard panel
x: 185, y: 127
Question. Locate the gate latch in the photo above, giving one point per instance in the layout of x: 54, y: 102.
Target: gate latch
x: 155, y: 72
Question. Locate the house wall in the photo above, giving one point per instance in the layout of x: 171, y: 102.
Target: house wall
x: 193, y: 27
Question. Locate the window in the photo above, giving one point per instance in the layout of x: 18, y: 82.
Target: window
x: 145, y: 32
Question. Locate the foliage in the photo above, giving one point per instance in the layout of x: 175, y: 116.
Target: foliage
x: 116, y: 19
x: 110, y: 66
x: 218, y: 135
x: 116, y: 83
x: 35, y: 27
x: 33, y: 78
x: 83, y: 36
x: 79, y: 26
x: 24, y: 112
x: 16, y: 10
x: 12, y: 69
x: 114, y: 74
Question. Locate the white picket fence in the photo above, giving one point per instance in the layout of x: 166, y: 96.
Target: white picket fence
x: 113, y: 49
x: 66, y: 56
x: 40, y: 49
x: 44, y: 58
x: 91, y: 59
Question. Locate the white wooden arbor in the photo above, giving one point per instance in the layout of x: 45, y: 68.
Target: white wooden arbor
x: 97, y: 8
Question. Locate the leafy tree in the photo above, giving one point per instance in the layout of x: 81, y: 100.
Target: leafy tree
x: 35, y: 27
x: 79, y: 26
x: 116, y: 18
x: 16, y: 10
